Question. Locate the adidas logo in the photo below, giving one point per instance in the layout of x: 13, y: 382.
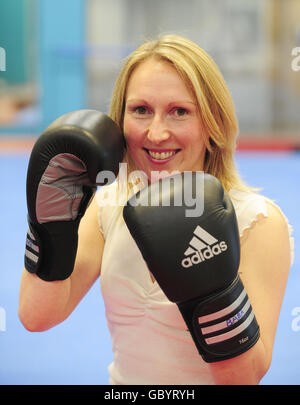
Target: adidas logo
x: 203, y: 246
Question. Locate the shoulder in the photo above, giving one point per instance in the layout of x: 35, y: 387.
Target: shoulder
x: 252, y: 208
x: 249, y: 207
x: 268, y: 238
x: 109, y: 203
x: 262, y: 222
x: 269, y: 224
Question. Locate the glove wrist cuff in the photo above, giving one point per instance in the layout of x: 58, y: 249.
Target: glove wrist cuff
x: 51, y: 249
x: 223, y: 325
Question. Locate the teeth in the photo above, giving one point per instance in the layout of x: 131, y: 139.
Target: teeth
x: 162, y: 155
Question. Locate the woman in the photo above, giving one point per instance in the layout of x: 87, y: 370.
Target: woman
x: 177, y: 115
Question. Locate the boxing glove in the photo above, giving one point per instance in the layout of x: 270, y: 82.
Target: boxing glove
x: 195, y: 260
x: 62, y: 177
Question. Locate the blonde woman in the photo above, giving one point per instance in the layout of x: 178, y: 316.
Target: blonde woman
x: 177, y: 115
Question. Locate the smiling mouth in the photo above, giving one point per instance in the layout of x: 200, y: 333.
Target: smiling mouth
x: 161, y: 155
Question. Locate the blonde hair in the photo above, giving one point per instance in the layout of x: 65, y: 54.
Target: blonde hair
x: 204, y: 79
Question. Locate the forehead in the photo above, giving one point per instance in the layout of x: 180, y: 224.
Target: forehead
x: 156, y: 75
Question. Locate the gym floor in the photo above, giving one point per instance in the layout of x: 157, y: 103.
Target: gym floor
x: 78, y: 351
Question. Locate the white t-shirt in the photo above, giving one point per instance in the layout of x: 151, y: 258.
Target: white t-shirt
x: 150, y: 341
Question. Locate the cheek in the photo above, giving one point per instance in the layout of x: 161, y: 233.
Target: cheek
x: 133, y: 132
x: 192, y: 138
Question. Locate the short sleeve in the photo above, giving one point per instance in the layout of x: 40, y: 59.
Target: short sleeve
x: 107, y: 200
x: 250, y: 207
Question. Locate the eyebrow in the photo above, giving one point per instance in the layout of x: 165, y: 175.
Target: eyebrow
x: 142, y: 101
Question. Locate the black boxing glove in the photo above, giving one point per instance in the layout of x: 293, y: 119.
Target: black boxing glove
x: 195, y: 260
x: 62, y: 177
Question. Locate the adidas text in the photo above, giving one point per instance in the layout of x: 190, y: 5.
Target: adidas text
x: 205, y: 254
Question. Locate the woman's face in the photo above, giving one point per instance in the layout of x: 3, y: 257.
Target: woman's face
x: 161, y: 121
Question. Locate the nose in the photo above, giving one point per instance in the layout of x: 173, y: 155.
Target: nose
x: 158, y: 130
